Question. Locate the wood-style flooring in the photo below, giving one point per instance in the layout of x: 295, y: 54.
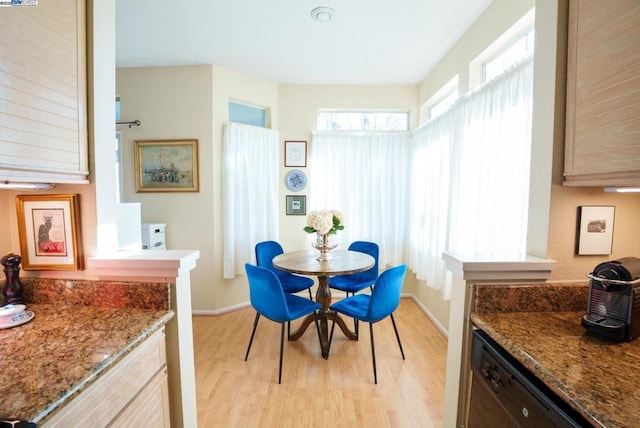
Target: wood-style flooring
x: 338, y: 392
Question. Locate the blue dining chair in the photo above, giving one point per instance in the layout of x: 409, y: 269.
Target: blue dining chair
x: 265, y: 252
x: 382, y: 302
x: 270, y: 301
x: 358, y: 281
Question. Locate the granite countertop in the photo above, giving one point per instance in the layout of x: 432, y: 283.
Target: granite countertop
x: 46, y: 362
x: 597, y: 377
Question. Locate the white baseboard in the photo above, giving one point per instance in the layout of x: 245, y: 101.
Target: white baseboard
x: 220, y: 311
x: 429, y: 315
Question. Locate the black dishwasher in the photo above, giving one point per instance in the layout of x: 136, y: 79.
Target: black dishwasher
x: 505, y: 394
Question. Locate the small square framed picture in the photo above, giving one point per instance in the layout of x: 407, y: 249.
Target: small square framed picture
x: 296, y: 205
x: 295, y: 153
x: 595, y: 230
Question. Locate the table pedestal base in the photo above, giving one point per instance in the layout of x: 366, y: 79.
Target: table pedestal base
x: 323, y: 323
x: 323, y: 296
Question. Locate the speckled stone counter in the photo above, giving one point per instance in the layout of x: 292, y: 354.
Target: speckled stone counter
x: 597, y: 377
x: 46, y: 362
x: 81, y: 328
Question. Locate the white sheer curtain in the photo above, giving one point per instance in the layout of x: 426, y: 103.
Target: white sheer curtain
x: 250, y: 193
x: 429, y: 202
x: 365, y: 175
x: 471, y: 176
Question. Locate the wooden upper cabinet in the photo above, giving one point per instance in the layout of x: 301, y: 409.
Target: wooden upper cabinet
x: 43, y: 92
x: 602, y: 146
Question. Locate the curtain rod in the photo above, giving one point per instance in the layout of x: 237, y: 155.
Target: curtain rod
x: 131, y: 123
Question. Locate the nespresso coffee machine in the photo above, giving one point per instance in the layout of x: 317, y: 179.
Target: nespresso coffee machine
x: 613, y: 308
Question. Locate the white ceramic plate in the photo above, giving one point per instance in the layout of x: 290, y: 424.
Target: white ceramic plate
x: 16, y: 319
x: 10, y: 309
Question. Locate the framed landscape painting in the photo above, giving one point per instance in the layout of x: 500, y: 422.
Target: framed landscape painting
x: 166, y: 165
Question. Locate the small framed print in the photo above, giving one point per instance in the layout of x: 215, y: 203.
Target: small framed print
x: 296, y: 205
x: 595, y: 230
x: 49, y: 231
x: 295, y: 153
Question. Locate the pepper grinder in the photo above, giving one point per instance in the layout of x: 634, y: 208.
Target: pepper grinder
x: 13, y: 289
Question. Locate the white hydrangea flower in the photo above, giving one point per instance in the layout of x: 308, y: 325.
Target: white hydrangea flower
x: 321, y: 221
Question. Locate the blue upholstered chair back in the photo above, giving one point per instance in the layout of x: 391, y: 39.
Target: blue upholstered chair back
x: 266, y: 294
x: 265, y: 252
x: 385, y: 297
x: 373, y: 250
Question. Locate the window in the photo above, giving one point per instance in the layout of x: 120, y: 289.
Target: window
x: 518, y: 49
x: 512, y: 46
x: 117, y: 108
x: 247, y: 114
x: 331, y: 120
x: 443, y: 105
x: 440, y: 102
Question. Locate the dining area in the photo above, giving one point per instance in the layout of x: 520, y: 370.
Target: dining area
x: 278, y: 276
x: 338, y: 347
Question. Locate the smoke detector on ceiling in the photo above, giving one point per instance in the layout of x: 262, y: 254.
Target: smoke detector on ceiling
x: 323, y: 14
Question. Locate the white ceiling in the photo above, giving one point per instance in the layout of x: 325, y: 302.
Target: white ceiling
x: 368, y: 42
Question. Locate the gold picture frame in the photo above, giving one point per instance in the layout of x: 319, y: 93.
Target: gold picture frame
x: 49, y: 232
x: 166, y: 165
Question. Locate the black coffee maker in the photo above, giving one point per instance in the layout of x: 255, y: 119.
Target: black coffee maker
x: 613, y: 308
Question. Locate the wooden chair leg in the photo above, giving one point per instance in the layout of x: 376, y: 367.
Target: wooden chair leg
x: 310, y: 295
x: 255, y: 324
x: 397, y: 335
x: 281, y: 352
x: 373, y: 354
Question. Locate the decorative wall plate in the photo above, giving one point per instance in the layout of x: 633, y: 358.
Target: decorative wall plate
x: 295, y: 180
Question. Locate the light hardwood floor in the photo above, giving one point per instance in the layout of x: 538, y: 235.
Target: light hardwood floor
x: 338, y: 392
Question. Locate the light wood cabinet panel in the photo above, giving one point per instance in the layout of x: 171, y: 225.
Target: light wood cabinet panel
x: 150, y: 408
x: 134, y: 389
x: 602, y: 146
x: 43, y: 92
